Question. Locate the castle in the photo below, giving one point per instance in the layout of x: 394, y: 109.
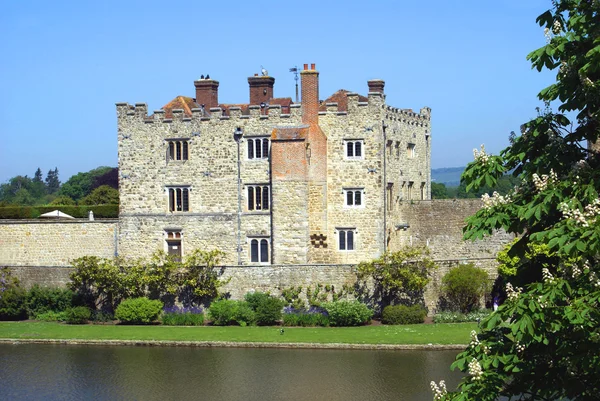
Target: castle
x: 271, y: 181
x: 294, y: 194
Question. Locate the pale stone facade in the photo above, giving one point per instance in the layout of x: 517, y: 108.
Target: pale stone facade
x: 302, y: 197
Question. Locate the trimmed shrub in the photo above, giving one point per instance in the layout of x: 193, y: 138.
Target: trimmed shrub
x: 175, y: 316
x: 44, y: 299
x: 227, y: 312
x: 347, y: 313
x: 402, y: 314
x: 266, y: 307
x: 78, y: 315
x: 463, y: 287
x: 52, y: 316
x: 138, y: 311
x: 33, y: 212
x: 305, y: 318
x: 12, y: 304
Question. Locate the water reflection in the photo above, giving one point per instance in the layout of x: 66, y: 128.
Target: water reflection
x: 52, y: 372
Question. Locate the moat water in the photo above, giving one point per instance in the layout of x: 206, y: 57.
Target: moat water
x: 55, y: 372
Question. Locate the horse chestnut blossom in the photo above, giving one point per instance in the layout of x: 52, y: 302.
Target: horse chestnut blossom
x: 475, y: 369
x: 438, y: 392
x: 494, y: 200
x: 512, y: 293
x: 480, y: 155
x: 584, y: 218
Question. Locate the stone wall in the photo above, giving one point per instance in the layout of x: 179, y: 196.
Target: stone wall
x: 271, y: 278
x: 55, y: 242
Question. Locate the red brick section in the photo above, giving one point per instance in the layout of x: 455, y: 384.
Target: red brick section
x: 310, y: 95
x: 261, y: 89
x: 376, y: 85
x: 207, y: 93
x: 288, y: 162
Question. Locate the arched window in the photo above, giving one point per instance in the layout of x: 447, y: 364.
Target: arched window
x: 259, y: 250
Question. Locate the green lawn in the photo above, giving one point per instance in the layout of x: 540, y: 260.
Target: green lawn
x: 457, y: 333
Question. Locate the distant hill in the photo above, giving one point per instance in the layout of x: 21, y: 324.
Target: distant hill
x: 447, y: 175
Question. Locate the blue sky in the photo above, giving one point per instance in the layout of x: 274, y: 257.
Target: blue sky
x: 65, y: 65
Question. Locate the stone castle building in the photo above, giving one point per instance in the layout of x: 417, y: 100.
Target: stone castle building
x: 271, y: 181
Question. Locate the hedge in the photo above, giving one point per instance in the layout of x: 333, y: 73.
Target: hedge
x: 33, y: 212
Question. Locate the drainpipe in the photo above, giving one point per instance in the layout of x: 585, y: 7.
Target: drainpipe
x: 116, y: 236
x: 383, y: 127
x: 237, y: 136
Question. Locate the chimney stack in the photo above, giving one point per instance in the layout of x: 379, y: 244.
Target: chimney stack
x: 207, y: 93
x: 376, y: 85
x: 261, y: 89
x: 310, y: 95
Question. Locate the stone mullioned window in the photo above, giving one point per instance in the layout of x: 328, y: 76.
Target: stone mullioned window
x: 258, y: 197
x: 178, y: 150
x: 179, y: 199
x: 258, y: 148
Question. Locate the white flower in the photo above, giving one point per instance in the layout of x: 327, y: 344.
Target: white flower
x: 512, y: 293
x: 438, y: 392
x: 480, y: 155
x: 556, y: 27
x: 547, y: 35
x: 475, y: 369
x: 547, y: 276
x: 520, y: 347
x: 474, y: 340
x: 494, y: 200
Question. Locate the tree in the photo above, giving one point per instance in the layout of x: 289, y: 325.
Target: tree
x: 543, y: 343
x: 81, y: 184
x: 103, y: 195
x: 438, y: 191
x: 402, y: 273
x: 52, y: 181
x: 38, y: 175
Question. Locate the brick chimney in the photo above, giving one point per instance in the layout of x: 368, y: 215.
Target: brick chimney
x: 310, y: 95
x: 376, y: 85
x: 261, y: 89
x: 207, y: 93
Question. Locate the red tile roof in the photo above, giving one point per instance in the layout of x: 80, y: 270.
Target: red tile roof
x: 180, y: 102
x: 341, y: 98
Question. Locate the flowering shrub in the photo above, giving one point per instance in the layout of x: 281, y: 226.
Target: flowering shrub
x: 176, y: 316
x: 313, y: 316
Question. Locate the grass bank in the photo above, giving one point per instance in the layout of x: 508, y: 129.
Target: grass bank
x: 446, y: 334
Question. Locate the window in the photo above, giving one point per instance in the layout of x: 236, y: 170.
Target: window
x: 354, y: 197
x: 423, y: 191
x: 258, y: 197
x: 173, y: 240
x: 390, y: 196
x: 178, y: 150
x: 179, y: 199
x: 410, y: 187
x: 259, y: 250
x: 258, y: 148
x: 346, y: 239
x: 354, y: 149
x: 410, y: 150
